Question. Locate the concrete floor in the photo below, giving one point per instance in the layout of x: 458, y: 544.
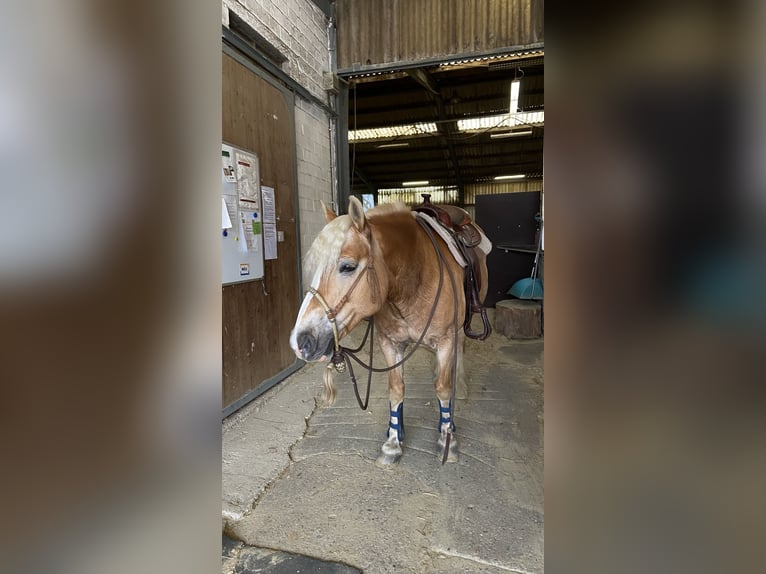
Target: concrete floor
x: 301, y: 478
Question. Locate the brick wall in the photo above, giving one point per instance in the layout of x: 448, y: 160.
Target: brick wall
x: 314, y: 176
x: 297, y: 28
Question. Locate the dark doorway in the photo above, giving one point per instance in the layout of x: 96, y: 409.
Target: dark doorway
x: 508, y: 219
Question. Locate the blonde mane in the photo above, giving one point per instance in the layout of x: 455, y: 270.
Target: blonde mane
x: 325, y: 250
x: 387, y: 208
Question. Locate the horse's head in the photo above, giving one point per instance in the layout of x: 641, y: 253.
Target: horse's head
x: 348, y: 283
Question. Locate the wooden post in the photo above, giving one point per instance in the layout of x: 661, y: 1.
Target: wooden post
x: 519, y: 318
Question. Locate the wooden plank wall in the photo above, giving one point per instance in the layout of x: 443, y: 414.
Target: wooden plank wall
x: 374, y: 32
x: 256, y: 327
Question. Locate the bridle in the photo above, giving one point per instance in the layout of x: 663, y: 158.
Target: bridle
x: 332, y: 313
x: 341, y: 354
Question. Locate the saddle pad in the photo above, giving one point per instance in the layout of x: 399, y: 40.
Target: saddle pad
x: 449, y: 239
x: 444, y: 234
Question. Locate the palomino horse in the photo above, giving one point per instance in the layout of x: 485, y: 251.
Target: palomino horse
x: 384, y: 265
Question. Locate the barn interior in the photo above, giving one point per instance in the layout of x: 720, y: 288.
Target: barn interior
x: 444, y: 98
x: 466, y: 132
x: 460, y: 128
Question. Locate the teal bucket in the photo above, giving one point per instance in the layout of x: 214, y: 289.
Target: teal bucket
x: 527, y: 288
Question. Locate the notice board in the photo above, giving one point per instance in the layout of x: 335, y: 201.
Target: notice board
x: 241, y: 216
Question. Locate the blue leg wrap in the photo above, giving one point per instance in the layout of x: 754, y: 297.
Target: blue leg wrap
x: 448, y: 419
x: 399, y: 426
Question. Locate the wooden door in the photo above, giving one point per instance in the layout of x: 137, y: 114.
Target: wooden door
x: 258, y: 315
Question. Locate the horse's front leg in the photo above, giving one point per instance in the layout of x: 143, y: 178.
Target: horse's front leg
x: 391, y: 451
x: 447, y: 358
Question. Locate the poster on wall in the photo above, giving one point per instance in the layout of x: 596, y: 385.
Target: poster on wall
x: 247, y: 177
x: 241, y: 217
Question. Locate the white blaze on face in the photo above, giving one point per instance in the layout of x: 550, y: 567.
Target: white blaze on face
x: 324, y: 254
x: 304, y: 306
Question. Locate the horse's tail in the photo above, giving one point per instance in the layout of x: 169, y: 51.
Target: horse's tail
x: 328, y: 395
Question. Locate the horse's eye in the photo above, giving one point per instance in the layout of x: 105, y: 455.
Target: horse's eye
x: 347, y: 268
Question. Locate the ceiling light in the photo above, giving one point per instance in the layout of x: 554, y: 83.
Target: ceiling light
x: 391, y: 132
x: 515, y: 85
x: 402, y: 144
x: 511, y: 134
x: 516, y: 176
x: 414, y: 183
x: 516, y: 119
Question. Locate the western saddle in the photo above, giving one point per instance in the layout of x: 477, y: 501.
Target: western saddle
x: 467, y: 238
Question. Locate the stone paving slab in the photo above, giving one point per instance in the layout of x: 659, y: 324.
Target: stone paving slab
x: 240, y: 559
x: 257, y: 439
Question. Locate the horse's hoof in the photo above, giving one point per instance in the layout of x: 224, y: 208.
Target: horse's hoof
x: 388, y: 460
x: 390, y: 452
x: 452, y: 454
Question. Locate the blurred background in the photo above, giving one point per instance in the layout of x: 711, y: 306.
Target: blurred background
x: 655, y: 280
x: 109, y: 286
x: 110, y: 301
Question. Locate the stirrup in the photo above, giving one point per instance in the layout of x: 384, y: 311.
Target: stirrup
x: 487, y: 328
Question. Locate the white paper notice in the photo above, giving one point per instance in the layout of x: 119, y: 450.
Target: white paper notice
x: 269, y: 207
x: 247, y: 177
x: 270, y: 240
x: 231, y: 207
x: 225, y: 219
x: 228, y: 168
x: 252, y: 229
x: 240, y: 238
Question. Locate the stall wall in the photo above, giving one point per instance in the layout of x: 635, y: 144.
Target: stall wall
x: 291, y: 136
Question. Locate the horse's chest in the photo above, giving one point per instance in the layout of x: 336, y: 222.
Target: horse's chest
x: 397, y: 325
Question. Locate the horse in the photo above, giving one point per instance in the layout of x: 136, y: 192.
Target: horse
x: 413, y: 291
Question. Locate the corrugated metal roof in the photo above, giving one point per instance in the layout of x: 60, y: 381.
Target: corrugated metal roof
x: 394, y: 33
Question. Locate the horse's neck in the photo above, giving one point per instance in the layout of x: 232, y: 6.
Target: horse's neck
x: 401, y: 247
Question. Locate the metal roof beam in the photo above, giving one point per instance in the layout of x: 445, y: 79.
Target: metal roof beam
x: 443, y: 125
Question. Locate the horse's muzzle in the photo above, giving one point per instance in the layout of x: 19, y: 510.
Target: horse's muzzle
x: 312, y: 347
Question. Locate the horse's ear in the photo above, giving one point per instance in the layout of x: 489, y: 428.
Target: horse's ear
x: 356, y: 211
x: 329, y: 214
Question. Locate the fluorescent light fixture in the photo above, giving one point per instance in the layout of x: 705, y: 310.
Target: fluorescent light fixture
x: 414, y: 183
x: 514, y: 120
x: 511, y: 134
x: 515, y: 85
x: 515, y: 176
x: 402, y: 144
x: 391, y: 132
x: 435, y: 190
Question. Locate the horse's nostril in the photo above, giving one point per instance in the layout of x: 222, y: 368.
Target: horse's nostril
x: 306, y: 344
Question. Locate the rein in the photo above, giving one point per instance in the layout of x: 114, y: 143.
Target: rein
x: 342, y: 354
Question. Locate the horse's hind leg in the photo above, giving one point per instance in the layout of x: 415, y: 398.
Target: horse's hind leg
x: 447, y: 359
x: 391, y: 451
